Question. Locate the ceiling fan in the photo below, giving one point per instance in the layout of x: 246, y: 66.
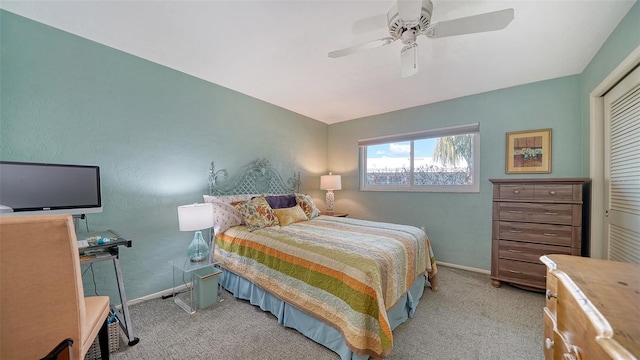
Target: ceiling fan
x: 409, y: 19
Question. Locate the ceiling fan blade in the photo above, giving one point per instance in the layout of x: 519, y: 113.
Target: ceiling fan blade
x: 409, y: 10
x: 409, y: 60
x: 361, y: 47
x: 492, y: 21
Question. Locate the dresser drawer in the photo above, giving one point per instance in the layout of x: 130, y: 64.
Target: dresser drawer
x: 548, y: 340
x: 561, y: 235
x: 552, y: 293
x: 516, y: 192
x: 555, y: 192
x: 575, y: 326
x: 539, y: 213
x: 521, y: 271
x: 530, y: 252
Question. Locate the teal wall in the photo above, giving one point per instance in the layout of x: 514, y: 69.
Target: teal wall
x: 459, y: 224
x: 152, y: 130
x: 622, y: 41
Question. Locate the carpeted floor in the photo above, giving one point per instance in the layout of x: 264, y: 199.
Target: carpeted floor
x: 466, y: 319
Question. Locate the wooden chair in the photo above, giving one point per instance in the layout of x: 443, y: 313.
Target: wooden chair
x: 42, y: 300
x: 60, y: 352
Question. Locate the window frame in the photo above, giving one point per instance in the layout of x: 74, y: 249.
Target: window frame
x: 470, y: 129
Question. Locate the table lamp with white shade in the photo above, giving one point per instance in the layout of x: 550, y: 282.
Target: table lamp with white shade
x: 330, y: 182
x: 196, y: 217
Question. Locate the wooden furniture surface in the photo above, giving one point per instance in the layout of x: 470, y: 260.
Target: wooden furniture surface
x: 535, y: 217
x: 592, y: 309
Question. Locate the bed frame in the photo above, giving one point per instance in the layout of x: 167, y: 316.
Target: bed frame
x: 260, y: 177
x: 256, y: 178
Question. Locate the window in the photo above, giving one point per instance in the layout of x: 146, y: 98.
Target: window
x: 436, y: 160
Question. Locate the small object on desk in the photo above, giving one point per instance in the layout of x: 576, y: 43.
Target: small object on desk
x: 103, y: 240
x: 83, y: 244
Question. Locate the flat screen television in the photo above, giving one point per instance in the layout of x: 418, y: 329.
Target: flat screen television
x: 29, y: 188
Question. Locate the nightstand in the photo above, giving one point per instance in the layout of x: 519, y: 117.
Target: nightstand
x: 200, y: 279
x: 335, y: 214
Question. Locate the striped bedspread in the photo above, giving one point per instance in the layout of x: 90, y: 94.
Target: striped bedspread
x: 345, y: 272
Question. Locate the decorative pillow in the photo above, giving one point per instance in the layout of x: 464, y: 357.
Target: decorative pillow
x: 290, y: 215
x: 224, y: 215
x: 232, y: 200
x: 307, y: 205
x: 281, y: 201
x: 257, y: 214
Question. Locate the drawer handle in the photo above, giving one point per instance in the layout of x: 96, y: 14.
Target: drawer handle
x: 550, y: 213
x: 514, y: 272
x: 548, y: 343
x: 515, y: 211
x: 514, y: 251
x: 515, y: 231
x: 516, y: 191
x: 550, y: 295
x: 549, y: 234
x: 552, y: 192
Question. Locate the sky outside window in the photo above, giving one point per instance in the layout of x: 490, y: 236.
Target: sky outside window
x: 396, y: 155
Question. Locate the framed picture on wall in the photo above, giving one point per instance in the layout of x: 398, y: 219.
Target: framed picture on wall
x: 529, y: 152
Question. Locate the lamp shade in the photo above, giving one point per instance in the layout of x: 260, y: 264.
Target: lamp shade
x: 195, y: 217
x: 330, y: 182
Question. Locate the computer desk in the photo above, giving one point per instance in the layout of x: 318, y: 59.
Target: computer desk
x: 110, y: 250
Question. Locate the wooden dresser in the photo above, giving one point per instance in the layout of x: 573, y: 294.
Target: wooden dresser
x: 535, y: 217
x: 592, y: 309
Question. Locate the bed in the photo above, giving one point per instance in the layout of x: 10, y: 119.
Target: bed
x: 344, y: 283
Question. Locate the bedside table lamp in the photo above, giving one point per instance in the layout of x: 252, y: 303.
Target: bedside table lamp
x: 330, y: 182
x: 196, y: 217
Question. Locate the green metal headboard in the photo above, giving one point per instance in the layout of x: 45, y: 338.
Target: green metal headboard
x: 258, y: 177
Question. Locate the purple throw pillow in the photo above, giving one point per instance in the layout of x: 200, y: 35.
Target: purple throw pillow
x: 281, y: 201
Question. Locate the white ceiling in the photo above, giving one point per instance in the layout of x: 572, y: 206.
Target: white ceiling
x: 276, y: 51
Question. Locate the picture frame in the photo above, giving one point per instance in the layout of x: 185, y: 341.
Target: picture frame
x: 528, y: 152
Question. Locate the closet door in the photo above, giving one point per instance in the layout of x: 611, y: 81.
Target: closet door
x: 622, y: 169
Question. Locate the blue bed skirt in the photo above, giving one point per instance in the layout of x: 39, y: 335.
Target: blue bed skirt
x: 309, y: 326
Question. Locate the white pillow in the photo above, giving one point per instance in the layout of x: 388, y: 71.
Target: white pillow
x: 224, y: 214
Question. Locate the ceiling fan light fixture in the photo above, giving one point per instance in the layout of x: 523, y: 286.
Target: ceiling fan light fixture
x: 409, y: 37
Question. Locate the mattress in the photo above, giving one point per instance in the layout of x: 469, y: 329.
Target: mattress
x: 349, y: 274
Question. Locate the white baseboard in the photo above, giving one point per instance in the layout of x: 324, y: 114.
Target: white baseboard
x: 462, y: 267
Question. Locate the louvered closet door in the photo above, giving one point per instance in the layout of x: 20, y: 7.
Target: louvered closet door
x: 622, y: 166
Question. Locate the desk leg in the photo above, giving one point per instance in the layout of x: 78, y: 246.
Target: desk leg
x: 126, y: 322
